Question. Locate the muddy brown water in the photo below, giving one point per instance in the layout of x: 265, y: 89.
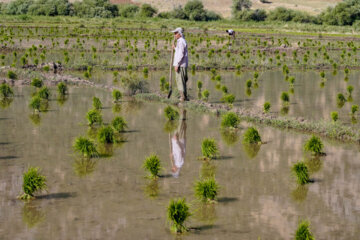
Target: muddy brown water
x: 258, y: 197
x: 309, y: 99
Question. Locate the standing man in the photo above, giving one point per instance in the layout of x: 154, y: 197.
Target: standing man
x: 181, y: 63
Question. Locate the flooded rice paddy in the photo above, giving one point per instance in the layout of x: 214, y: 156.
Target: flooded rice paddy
x: 110, y: 198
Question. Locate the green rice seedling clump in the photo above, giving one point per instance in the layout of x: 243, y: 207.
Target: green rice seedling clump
x: 303, y: 231
x: 285, y: 97
x: 199, y: 85
x: 116, y: 94
x: 249, y: 83
x: 354, y: 109
x: 12, y: 75
x: 94, y: 117
x: 44, y: 93
x: 205, y: 94
x: 33, y: 181
x: 206, y: 189
x: 301, y: 173
x: 334, y: 116
x: 267, y: 107
x: 38, y: 83
x: 252, y: 136
x: 6, y: 91
x: 229, y: 98
x: 106, y: 135
x: 209, y: 148
x: 86, y: 147
x: 119, y: 124
x: 230, y: 120
x: 62, y: 89
x: 171, y: 114
x: 178, y: 211
x: 314, y: 145
x: 97, y: 103
x: 152, y: 164
x: 35, y: 103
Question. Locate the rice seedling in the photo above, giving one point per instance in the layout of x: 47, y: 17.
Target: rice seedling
x: 46, y: 68
x: 209, y: 148
x: 97, y: 103
x: 340, y: 100
x: 62, y: 89
x: 44, y: 93
x: 171, y: 113
x: 350, y: 89
x: 301, y: 173
x: 94, y: 117
x: 85, y: 147
x: 106, y: 135
x: 224, y: 89
x: 6, y: 91
x: 354, y: 109
x: 36, y: 82
x: 146, y: 72
x: 35, y: 103
x: 199, y: 85
x: 116, y: 94
x: 177, y: 212
x: 205, y: 94
x: 33, y: 181
x: 314, y: 145
x: 119, y: 124
x: 230, y: 120
x: 12, y: 75
x: 206, y: 190
x: 229, y: 99
x: 285, y: 98
x: 334, y: 116
x: 267, y: 107
x: 153, y: 165
x: 248, y: 83
x: 163, y: 84
x: 251, y: 136
x: 5, y: 102
x: 303, y: 231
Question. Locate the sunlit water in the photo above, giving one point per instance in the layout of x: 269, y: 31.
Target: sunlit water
x: 112, y: 199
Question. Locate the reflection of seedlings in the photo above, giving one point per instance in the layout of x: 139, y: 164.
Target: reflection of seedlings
x: 6, y: 91
x: 116, y: 94
x: 206, y: 213
x: 303, y: 231
x: 61, y: 99
x: 230, y: 120
x: 252, y: 136
x: 301, y: 173
x: 84, y: 166
x: 119, y: 124
x: 97, y: 103
x: 299, y: 194
x: 229, y: 136
x: 314, y: 146
x: 205, y: 94
x: 116, y: 108
x: 85, y: 147
x: 132, y: 106
x: 106, y: 135
x: 267, y: 106
x: 5, y: 102
x: 353, y: 120
x: 248, y: 92
x: 44, y: 93
x: 291, y: 90
x: 209, y: 148
x: 206, y: 190
x: 199, y: 85
x: 152, y: 164
x: 354, y: 109
x: 94, y: 117
x: 207, y: 170
x: 105, y: 150
x: 178, y: 211
x: 284, y: 110
x: 170, y: 126
x: 31, y: 215
x: 152, y: 189
x: 322, y: 84
x: 285, y: 98
x: 33, y: 181
x: 334, y: 116
x: 35, y: 118
x: 314, y: 164
x: 251, y: 150
x: 171, y: 114
x: 340, y: 100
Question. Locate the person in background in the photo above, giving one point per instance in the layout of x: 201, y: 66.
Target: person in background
x: 181, y: 63
x: 231, y: 33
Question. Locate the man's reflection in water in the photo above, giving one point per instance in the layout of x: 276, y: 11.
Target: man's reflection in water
x: 178, y: 145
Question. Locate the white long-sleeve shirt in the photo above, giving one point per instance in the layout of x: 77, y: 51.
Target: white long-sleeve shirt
x: 181, y: 53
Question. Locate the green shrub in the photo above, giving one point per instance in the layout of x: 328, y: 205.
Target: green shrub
x: 252, y: 136
x: 116, y: 95
x: 303, y: 231
x: 240, y: 5
x: 178, y: 212
x: 94, y: 117
x: 301, y: 173
x: 97, y: 103
x: 152, y: 164
x: 230, y: 120
x: 119, y: 124
x: 209, y: 148
x: 334, y: 116
x: 314, y: 145
x: 38, y: 83
x: 128, y: 10
x: 6, y: 91
x: 267, y: 107
x: 85, y: 147
x: 62, y: 89
x: 106, y: 135
x: 170, y: 113
x: 206, y: 189
x: 11, y: 75
x: 257, y: 15
x: 44, y: 93
x: 147, y: 10
x: 33, y: 181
